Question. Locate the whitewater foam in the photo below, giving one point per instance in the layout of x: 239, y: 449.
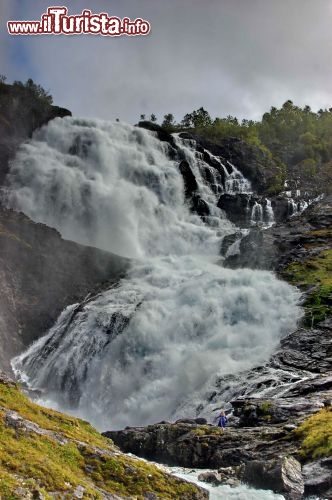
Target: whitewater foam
x: 135, y: 352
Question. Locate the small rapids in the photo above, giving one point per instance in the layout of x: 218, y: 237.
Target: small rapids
x: 242, y: 492
x: 135, y: 353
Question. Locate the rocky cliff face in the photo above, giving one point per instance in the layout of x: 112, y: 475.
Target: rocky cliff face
x: 40, y: 274
x: 257, y: 165
x: 264, y: 172
x: 292, y: 239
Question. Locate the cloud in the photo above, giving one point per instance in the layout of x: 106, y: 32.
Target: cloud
x: 230, y: 57
x: 4, y: 38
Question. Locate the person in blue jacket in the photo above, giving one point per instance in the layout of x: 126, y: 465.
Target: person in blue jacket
x: 222, y: 420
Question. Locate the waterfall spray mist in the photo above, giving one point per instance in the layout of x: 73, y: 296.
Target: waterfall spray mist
x: 133, y: 354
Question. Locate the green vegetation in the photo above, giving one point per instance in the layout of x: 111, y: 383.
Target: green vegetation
x: 206, y: 430
x: 169, y: 122
x: 34, y: 90
x: 298, y: 139
x: 316, y: 435
x: 23, y: 107
x: 316, y: 273
x: 265, y: 408
x: 73, y: 454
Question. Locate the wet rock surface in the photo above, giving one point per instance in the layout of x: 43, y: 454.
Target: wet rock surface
x: 267, y: 404
x: 282, y: 475
x: 253, y: 162
x: 41, y: 274
x: 292, y: 240
x: 318, y: 478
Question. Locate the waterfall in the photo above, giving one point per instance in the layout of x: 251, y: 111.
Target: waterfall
x: 269, y: 214
x: 134, y: 353
x: 236, y: 182
x: 257, y: 214
x: 295, y: 208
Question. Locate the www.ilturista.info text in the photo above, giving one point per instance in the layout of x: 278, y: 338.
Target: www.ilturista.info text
x: 57, y: 22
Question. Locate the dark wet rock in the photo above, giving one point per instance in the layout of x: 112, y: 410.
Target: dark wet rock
x: 254, y: 253
x: 237, y: 207
x: 40, y: 274
x: 289, y: 241
x: 327, y: 462
x: 193, y: 421
x: 189, y: 179
x: 281, y: 208
x: 317, y: 478
x: 228, y: 241
x: 224, y: 476
x: 254, y: 162
x: 187, y: 445
x: 200, y: 206
x: 210, y: 477
x: 255, y: 412
x: 197, y: 203
x: 161, y: 133
x: 307, y: 349
x: 201, y: 421
x: 210, y: 160
x: 281, y: 476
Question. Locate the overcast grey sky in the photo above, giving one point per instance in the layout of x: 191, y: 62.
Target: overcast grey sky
x: 236, y: 57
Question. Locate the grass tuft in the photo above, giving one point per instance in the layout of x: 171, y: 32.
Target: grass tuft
x: 316, y: 435
x: 317, y: 272
x: 43, y: 463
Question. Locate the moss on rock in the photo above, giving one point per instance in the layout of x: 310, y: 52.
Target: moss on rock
x: 42, y: 450
x: 316, y: 435
x: 314, y: 272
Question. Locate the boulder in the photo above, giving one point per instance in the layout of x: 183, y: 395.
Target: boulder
x: 189, y: 445
x: 200, y: 206
x: 189, y: 179
x: 193, y: 421
x: 282, y: 475
x: 161, y: 133
x: 281, y: 208
x: 317, y: 477
x: 226, y: 475
x: 210, y: 477
x: 236, y: 207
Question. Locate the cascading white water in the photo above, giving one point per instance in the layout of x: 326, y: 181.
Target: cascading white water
x: 236, y: 183
x: 133, y: 354
x: 262, y: 214
x: 118, y: 192
x: 224, y: 492
x: 257, y: 214
x: 269, y: 214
